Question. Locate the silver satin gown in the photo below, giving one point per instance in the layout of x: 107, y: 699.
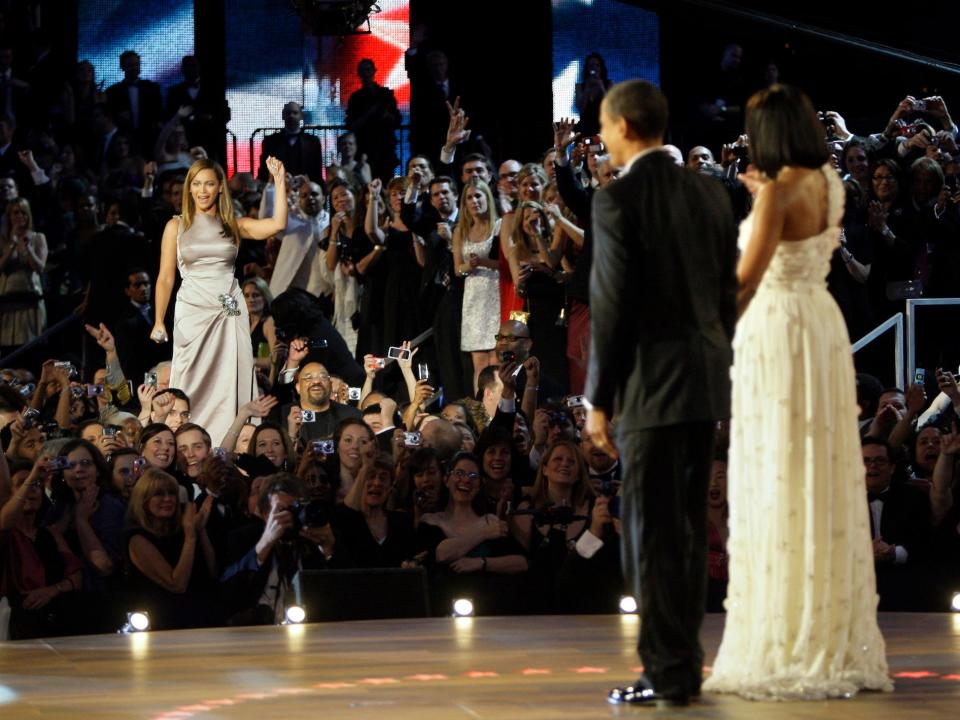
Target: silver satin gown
x: 212, y: 353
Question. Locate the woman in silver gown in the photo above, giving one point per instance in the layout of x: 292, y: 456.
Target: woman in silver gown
x: 212, y: 356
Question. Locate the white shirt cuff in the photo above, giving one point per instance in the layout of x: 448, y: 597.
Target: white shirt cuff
x: 286, y: 376
x: 447, y: 157
x: 589, y: 545
x: 901, y: 555
x: 507, y: 405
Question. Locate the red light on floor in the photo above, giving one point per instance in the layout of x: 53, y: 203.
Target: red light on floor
x: 950, y: 677
x: 334, y: 685
x: 379, y: 681
x: 587, y: 670
x: 536, y: 671
x: 424, y: 677
x: 481, y: 674
x: 918, y: 675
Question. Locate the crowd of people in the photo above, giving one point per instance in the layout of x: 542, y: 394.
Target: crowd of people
x: 420, y: 345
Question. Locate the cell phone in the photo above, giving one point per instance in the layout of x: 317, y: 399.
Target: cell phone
x: 575, y: 401
x: 95, y: 390
x: 423, y: 371
x: 139, y: 464
x: 919, y: 105
x: 412, y: 439
x: 66, y: 365
x: 61, y: 462
x: 220, y: 453
x: 353, y: 394
x: 317, y: 343
x: 150, y: 379
x: 322, y: 447
x: 920, y: 378
x: 379, y: 363
x: 508, y: 356
x: 308, y: 416
x: 78, y: 391
x: 398, y: 353
x: 110, y: 432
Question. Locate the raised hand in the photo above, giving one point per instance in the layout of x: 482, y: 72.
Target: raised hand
x: 457, y: 132
x: 406, y: 365
x: 103, y: 337
x: 916, y: 398
x: 374, y: 187
x: 145, y: 394
x: 950, y: 441
x: 162, y: 406
x: 563, y: 134
x: 276, y: 169
x: 299, y: 349
x: 259, y: 407
x: 948, y: 384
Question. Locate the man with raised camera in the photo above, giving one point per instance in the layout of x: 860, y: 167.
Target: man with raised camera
x: 291, y: 534
x: 316, y: 415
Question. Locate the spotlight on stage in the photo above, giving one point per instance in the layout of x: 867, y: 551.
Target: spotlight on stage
x: 628, y: 605
x: 955, y: 602
x: 462, y: 607
x: 294, y: 615
x: 137, y: 621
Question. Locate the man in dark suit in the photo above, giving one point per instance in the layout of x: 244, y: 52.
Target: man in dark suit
x: 901, y: 528
x: 300, y: 153
x: 136, y: 351
x: 662, y: 300
x: 137, y: 105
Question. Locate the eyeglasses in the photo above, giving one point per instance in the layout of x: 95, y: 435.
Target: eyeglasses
x: 509, y: 338
x: 884, y: 178
x: 875, y: 461
x: 319, y: 376
x: 85, y: 463
x: 463, y: 474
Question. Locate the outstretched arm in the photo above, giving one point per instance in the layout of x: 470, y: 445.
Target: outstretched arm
x: 268, y: 227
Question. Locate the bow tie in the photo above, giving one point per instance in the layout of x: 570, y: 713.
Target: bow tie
x: 871, y: 496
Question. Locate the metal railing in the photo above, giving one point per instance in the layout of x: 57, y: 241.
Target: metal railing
x: 232, y: 148
x: 896, y: 322
x: 912, y: 305
x: 42, y: 338
x: 327, y: 135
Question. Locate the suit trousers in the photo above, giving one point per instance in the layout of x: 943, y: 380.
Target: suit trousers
x: 666, y: 473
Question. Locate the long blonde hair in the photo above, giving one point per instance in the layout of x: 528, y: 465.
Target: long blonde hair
x: 465, y: 221
x: 522, y: 246
x: 224, y: 202
x: 24, y: 205
x: 146, y: 487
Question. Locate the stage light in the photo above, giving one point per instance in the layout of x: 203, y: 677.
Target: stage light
x: 294, y: 615
x: 955, y: 602
x: 628, y: 605
x: 137, y: 621
x: 462, y: 607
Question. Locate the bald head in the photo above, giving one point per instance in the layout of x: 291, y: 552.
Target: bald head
x: 514, y: 337
x: 443, y: 437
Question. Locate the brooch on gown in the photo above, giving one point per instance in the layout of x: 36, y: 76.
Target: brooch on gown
x: 230, y: 305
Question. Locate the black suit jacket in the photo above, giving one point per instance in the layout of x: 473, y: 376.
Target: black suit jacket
x: 662, y: 296
x: 303, y: 157
x: 905, y: 520
x: 151, y: 111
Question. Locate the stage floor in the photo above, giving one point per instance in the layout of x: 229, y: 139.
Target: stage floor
x: 528, y: 667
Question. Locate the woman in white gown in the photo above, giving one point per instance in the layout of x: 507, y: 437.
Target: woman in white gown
x: 212, y: 354
x: 801, y: 605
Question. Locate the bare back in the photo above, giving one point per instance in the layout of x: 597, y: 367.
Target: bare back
x: 805, y: 203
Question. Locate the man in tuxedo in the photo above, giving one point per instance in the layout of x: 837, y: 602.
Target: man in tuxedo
x: 372, y: 116
x: 662, y: 301
x: 300, y: 153
x: 901, y: 526
x: 136, y: 351
x: 136, y: 104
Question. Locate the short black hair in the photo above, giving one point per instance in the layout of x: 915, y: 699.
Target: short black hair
x: 784, y: 130
x: 874, y: 440
x: 440, y: 179
x: 642, y: 105
x: 177, y: 393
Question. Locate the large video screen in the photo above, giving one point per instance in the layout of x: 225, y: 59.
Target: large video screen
x: 273, y: 59
x: 160, y: 31
x: 627, y: 37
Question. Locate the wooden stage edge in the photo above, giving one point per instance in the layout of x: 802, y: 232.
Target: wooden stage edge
x: 543, y: 667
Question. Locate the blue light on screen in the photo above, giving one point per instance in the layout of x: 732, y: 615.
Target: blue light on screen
x: 627, y: 37
x: 160, y: 31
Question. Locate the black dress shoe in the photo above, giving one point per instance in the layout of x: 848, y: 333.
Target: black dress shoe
x: 643, y: 694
